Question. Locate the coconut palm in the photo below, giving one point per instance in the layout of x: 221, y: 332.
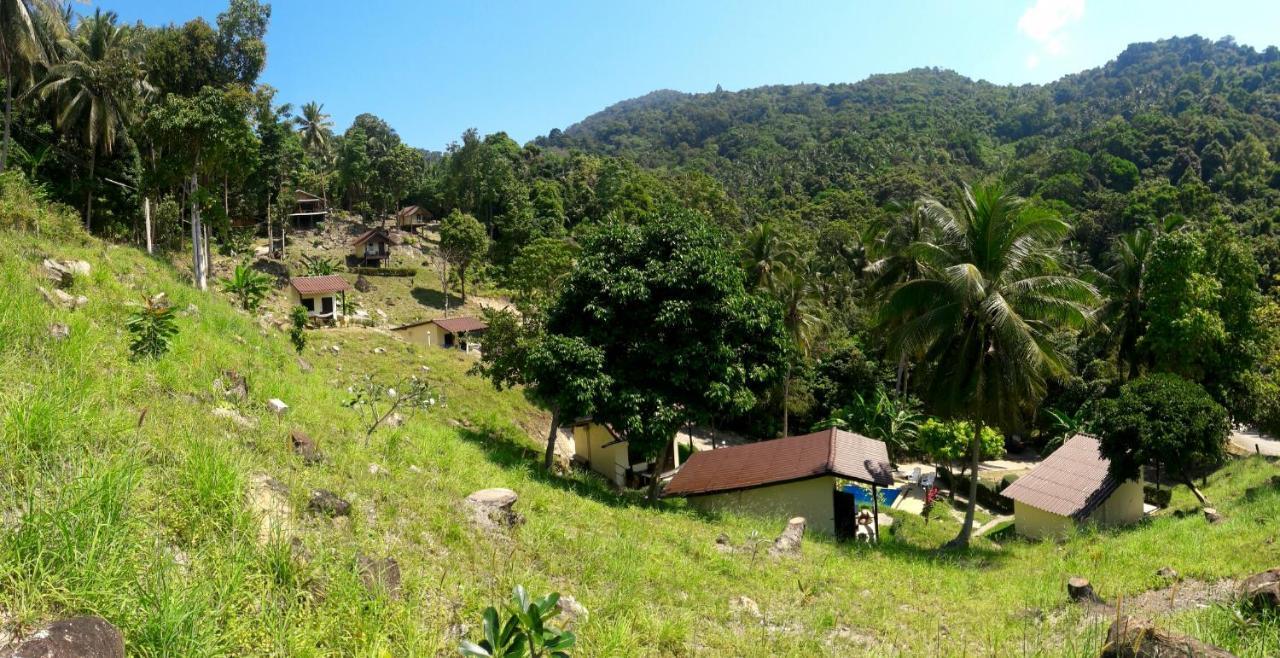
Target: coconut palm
x: 96, y: 88
x: 766, y: 254
x: 894, y: 261
x: 315, y: 127
x: 796, y: 290
x: 984, y: 312
x: 20, y: 48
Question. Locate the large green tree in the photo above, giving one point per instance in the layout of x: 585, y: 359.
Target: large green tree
x: 985, y: 311
x: 462, y: 244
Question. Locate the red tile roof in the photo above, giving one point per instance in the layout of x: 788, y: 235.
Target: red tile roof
x: 1073, y: 481
x: 829, y: 452
x: 452, y: 325
x: 315, y: 285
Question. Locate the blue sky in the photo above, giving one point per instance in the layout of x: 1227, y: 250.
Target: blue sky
x: 433, y: 69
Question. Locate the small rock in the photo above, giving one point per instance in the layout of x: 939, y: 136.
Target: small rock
x: 413, y: 468
x: 362, y: 284
x: 394, y: 420
x: 744, y: 605
x: 55, y: 273
x: 328, y: 503
x: 788, y: 543
x: 192, y: 309
x: 304, y: 446
x: 379, y: 350
x: 376, y: 470
x: 78, y: 637
x: 235, y: 417
x: 571, y: 611
x: 379, y: 574
x: 304, y: 366
x: 335, y: 349
x: 59, y: 331
x: 232, y: 385
x: 1167, y: 572
x: 494, y: 508
x: 277, y: 406
x: 381, y: 313
x: 269, y: 501
x: 78, y: 267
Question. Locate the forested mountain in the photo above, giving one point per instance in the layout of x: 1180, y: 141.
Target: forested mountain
x: 1185, y: 125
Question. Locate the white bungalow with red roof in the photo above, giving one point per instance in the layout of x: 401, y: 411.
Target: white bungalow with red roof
x: 322, y: 296
x: 1072, y: 487
x: 461, y: 333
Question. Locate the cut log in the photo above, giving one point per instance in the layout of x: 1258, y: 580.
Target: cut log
x: 1081, y: 591
x: 1132, y: 638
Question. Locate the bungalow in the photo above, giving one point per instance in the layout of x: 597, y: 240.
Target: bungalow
x: 792, y: 476
x: 599, y: 448
x: 310, y: 210
x: 412, y: 218
x: 460, y: 333
x: 1072, y: 487
x: 373, y: 247
x: 322, y: 296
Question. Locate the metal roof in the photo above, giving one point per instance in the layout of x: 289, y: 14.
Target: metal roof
x: 1073, y: 481
x: 314, y: 285
x: 452, y: 325
x: 829, y: 452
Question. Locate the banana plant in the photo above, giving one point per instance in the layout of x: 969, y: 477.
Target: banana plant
x: 525, y: 634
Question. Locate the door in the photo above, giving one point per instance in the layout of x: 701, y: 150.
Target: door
x: 846, y: 511
x: 326, y: 305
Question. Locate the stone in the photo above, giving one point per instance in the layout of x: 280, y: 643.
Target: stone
x: 78, y: 267
x: 381, y: 313
x: 376, y: 470
x: 1262, y: 590
x: 192, y: 309
x: 328, y: 503
x: 1212, y: 516
x: 1167, y: 572
x: 788, y: 543
x: 56, y: 273
x: 232, y: 385
x: 277, y: 406
x: 413, y: 468
x: 362, y: 284
x: 235, y: 417
x: 394, y: 420
x: 269, y: 502
x: 743, y: 605
x: 77, y: 637
x: 1132, y: 638
x: 59, y: 331
x: 572, y: 612
x: 304, y: 446
x: 59, y: 299
x: 379, y: 574
x: 1080, y: 591
x: 379, y: 350
x: 494, y: 508
x: 304, y: 365
x: 335, y: 349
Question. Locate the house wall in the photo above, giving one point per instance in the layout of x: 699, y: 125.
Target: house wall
x: 296, y: 300
x: 1035, y: 523
x: 1122, y: 507
x: 813, y: 499
x: 611, y: 461
x: 428, y: 335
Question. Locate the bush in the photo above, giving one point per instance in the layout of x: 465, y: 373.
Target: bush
x: 318, y: 266
x: 384, y: 271
x: 1008, y: 480
x: 988, y: 493
x: 152, y: 328
x: 1154, y: 496
x: 526, y: 633
x: 248, y: 285
x: 298, y: 330
x: 24, y: 207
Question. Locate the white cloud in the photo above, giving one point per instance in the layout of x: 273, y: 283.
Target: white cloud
x: 1046, y: 22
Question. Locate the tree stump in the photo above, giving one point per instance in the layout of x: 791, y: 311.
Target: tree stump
x: 1262, y: 590
x: 1212, y: 516
x: 1131, y: 638
x: 788, y: 543
x: 1081, y: 591
x: 494, y: 508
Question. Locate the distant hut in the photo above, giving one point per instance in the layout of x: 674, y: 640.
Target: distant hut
x: 412, y: 218
x: 461, y: 333
x: 322, y: 296
x: 310, y: 210
x: 1072, y: 487
x: 373, y: 247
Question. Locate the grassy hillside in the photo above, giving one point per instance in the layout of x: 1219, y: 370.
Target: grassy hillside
x: 123, y: 494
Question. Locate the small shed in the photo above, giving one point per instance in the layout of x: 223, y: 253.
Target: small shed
x: 322, y: 296
x: 373, y: 247
x: 599, y: 448
x: 792, y: 476
x: 411, y: 218
x: 310, y: 210
x: 451, y: 333
x: 1071, y: 487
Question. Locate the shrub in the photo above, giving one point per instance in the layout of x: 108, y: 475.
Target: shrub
x: 298, y: 327
x: 248, y: 285
x: 152, y: 328
x: 318, y: 266
x: 1008, y: 480
x: 384, y: 271
x: 1159, y: 497
x: 525, y: 634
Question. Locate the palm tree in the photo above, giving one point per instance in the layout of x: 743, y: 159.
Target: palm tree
x: 892, y: 246
x: 94, y: 88
x: 796, y: 290
x: 766, y: 254
x: 990, y: 296
x: 315, y: 127
x: 1121, y: 315
x: 19, y: 49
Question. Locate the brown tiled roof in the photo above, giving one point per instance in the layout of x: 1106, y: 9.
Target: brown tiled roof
x: 453, y: 325
x: 314, y: 285
x: 829, y: 452
x: 1072, y: 481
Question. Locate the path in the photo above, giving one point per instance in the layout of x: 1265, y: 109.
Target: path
x: 1252, y: 441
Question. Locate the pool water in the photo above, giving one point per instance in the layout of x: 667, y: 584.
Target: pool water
x: 863, y: 495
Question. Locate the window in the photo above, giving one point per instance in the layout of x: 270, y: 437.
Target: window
x: 309, y: 304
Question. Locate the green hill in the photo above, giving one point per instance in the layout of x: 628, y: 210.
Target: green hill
x: 126, y: 490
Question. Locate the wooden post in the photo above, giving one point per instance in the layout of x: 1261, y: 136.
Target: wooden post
x: 875, y: 511
x: 146, y: 214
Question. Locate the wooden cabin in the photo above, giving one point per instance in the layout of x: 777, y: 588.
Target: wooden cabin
x: 412, y: 218
x: 322, y: 296
x: 310, y: 210
x: 373, y: 247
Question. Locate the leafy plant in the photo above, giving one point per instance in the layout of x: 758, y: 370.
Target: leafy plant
x: 248, y: 285
x: 237, y: 241
x: 298, y: 327
x: 379, y: 401
x: 892, y: 419
x: 152, y: 328
x: 319, y: 266
x: 525, y: 634
x: 1062, y: 426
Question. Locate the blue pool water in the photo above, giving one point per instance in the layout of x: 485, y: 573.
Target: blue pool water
x: 863, y: 496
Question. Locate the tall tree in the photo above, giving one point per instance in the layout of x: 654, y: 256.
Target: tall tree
x: 462, y: 243
x: 19, y: 47
x: 984, y: 311
x: 797, y: 293
x: 315, y: 126
x: 765, y: 255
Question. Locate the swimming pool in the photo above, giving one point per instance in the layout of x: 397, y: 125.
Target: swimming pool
x: 863, y: 495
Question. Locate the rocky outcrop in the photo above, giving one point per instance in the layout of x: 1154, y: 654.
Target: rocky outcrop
x: 78, y: 637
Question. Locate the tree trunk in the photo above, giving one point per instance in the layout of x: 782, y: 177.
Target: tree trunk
x: 88, y: 197
x: 655, y: 485
x: 786, y: 399
x: 966, y: 530
x: 146, y: 214
x: 197, y: 240
x: 550, y: 457
x: 1186, y: 479
x: 8, y: 115
x: 900, y: 384
x: 462, y: 279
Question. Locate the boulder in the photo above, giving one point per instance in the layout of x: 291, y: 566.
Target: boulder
x: 788, y: 543
x: 77, y: 637
x: 1132, y: 638
x: 1262, y: 590
x: 269, y: 502
x: 56, y: 273
x: 362, y: 284
x: 494, y: 508
x: 277, y: 406
x: 304, y: 446
x: 328, y: 503
x: 379, y: 575
x: 59, y: 331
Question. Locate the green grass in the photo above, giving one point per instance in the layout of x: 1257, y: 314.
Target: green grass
x: 147, y: 526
